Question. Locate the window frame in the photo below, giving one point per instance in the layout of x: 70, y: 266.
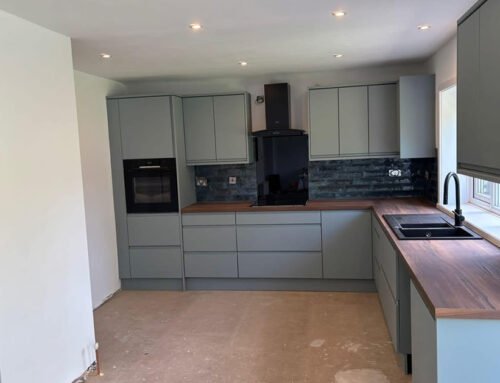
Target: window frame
x: 485, y: 201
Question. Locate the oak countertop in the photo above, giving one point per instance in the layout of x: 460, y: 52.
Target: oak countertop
x: 456, y: 278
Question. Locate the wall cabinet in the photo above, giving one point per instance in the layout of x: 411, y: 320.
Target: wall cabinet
x: 217, y: 129
x: 383, y: 119
x: 146, y: 127
x: 478, y: 92
x: 347, y: 244
x: 353, y: 121
x: 417, y: 116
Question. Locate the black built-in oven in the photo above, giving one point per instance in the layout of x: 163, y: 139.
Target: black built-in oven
x: 151, y: 185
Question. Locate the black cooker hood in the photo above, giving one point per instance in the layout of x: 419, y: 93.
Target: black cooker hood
x: 277, y: 99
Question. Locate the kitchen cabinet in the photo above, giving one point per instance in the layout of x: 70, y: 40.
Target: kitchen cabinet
x: 353, y: 120
x: 146, y: 127
x: 383, y: 119
x: 393, y: 285
x: 417, y: 116
x: 280, y: 264
x: 424, y: 341
x: 478, y: 93
x: 156, y: 262
x: 199, y: 133
x: 210, y: 249
x: 217, y: 129
x: 323, y: 123
x: 347, y: 244
x: 154, y: 229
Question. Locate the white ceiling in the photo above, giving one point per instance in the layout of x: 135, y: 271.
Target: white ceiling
x: 151, y: 38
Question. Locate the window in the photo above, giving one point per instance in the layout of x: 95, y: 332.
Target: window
x: 486, y: 194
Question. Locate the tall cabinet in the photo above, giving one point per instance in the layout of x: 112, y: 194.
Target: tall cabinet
x: 478, y: 92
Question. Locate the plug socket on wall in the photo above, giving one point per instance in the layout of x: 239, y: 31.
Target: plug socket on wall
x: 202, y: 182
x: 232, y: 180
x: 395, y: 173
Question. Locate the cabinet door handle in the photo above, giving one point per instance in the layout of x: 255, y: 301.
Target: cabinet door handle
x: 150, y: 167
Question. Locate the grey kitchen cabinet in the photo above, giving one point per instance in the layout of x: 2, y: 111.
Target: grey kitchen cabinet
x: 231, y: 128
x: 154, y: 229
x: 156, y: 262
x: 199, y: 129
x: 217, y: 129
x: 353, y: 120
x: 210, y: 247
x: 324, y: 123
x: 347, y: 244
x: 146, y: 127
x: 383, y: 119
x: 424, y: 341
x: 276, y: 264
x: 417, y: 116
x: 479, y: 93
x: 279, y: 237
x: 393, y: 285
x: 279, y: 218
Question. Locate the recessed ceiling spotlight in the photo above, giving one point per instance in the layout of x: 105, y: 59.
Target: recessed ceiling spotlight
x: 105, y: 55
x: 242, y: 63
x: 195, y: 26
x: 424, y: 27
x: 338, y: 55
x: 339, y: 13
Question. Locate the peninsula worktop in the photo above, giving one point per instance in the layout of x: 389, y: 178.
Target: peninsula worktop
x: 456, y: 278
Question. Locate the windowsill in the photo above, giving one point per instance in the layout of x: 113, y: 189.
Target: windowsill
x: 485, y: 223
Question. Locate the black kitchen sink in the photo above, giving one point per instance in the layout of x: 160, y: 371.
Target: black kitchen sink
x: 427, y: 226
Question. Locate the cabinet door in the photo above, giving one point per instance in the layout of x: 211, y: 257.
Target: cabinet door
x: 353, y: 112
x: 468, y: 90
x: 231, y: 131
x: 324, y: 123
x: 383, y: 119
x: 146, y: 127
x: 487, y: 142
x: 199, y: 129
x: 417, y: 119
x: 347, y: 244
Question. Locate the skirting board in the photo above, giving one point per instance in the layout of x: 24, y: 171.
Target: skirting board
x: 251, y: 284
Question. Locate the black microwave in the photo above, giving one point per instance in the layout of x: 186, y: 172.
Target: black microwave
x: 151, y: 185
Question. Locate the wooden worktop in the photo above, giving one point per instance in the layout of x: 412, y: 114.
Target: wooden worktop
x: 456, y: 278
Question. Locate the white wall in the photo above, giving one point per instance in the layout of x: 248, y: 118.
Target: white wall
x: 91, y: 95
x: 46, y: 323
x: 299, y: 84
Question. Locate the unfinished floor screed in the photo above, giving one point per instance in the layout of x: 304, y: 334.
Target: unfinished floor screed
x: 245, y: 337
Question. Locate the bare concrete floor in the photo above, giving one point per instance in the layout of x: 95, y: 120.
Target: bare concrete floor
x: 245, y: 337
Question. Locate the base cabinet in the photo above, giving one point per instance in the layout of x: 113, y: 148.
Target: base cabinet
x: 347, y: 244
x: 155, y: 262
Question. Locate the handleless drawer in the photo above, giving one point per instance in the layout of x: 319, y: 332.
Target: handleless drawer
x: 209, y: 238
x: 156, y: 262
x: 278, y: 218
x: 279, y: 238
x: 388, y: 303
x: 386, y: 256
x: 293, y: 264
x: 208, y: 219
x: 211, y: 265
x: 153, y: 229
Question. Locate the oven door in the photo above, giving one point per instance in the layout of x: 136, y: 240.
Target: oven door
x: 150, y: 186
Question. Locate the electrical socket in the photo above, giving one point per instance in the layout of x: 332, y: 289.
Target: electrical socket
x: 394, y: 173
x: 232, y: 180
x: 202, y: 182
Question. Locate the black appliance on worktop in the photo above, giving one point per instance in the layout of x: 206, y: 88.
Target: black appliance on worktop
x: 281, y: 153
x: 151, y: 185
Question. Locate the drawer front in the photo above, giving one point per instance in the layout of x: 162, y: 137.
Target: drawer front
x: 278, y: 218
x: 280, y: 264
x: 155, y: 262
x: 279, y: 238
x: 153, y: 230
x: 208, y: 219
x: 211, y: 265
x: 389, y: 306
x: 209, y: 238
x: 386, y: 256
